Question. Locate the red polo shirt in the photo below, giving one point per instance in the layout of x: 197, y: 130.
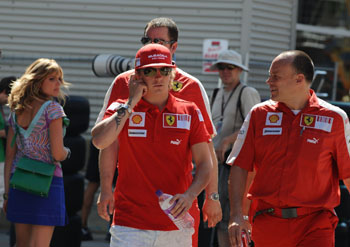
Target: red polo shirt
x: 184, y: 87
x: 300, y: 158
x: 155, y: 153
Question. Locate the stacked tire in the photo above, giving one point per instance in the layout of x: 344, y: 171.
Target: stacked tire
x: 77, y: 109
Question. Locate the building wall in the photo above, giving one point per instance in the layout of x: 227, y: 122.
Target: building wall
x: 74, y: 31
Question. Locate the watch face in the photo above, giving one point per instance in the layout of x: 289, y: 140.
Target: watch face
x: 123, y: 107
x: 214, y: 196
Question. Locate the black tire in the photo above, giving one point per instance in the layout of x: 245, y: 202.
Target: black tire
x: 76, y: 162
x: 77, y: 109
x: 74, y: 193
x: 69, y: 235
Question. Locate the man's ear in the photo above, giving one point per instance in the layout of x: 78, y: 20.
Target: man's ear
x: 173, y: 48
x: 300, y: 78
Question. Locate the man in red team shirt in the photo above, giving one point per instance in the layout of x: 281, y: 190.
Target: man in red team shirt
x: 164, y: 31
x: 299, y: 147
x: 158, y: 135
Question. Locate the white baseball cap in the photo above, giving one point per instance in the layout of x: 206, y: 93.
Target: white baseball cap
x: 229, y: 57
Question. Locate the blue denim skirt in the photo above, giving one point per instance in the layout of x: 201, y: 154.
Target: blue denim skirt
x: 27, y: 208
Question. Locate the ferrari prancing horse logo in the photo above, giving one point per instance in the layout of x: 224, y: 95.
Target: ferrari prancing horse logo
x: 170, y: 119
x: 176, y: 86
x: 308, y: 120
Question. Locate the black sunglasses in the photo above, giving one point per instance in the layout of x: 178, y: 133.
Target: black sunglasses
x: 146, y: 40
x: 151, y: 72
x: 222, y: 66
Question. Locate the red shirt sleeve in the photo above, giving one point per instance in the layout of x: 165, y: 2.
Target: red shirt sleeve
x: 112, y: 108
x: 199, y: 132
x: 342, y: 148
x: 242, y: 154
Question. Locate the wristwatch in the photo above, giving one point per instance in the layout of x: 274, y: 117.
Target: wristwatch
x: 124, y: 107
x: 214, y: 196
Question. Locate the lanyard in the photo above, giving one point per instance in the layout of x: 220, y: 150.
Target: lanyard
x: 224, y: 104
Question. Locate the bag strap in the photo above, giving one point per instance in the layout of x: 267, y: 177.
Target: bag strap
x: 215, y: 92
x: 239, y: 102
x: 239, y: 107
x: 17, y: 131
x: 13, y: 141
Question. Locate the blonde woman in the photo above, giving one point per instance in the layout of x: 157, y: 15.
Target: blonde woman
x: 36, y: 132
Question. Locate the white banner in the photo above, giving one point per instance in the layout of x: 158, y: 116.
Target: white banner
x: 211, y: 50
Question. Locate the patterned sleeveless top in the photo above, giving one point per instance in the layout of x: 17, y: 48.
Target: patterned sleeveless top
x: 34, y: 142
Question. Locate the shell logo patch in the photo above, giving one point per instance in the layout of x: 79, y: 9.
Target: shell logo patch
x: 170, y: 119
x: 176, y: 86
x: 274, y: 119
x: 178, y: 121
x: 137, y: 119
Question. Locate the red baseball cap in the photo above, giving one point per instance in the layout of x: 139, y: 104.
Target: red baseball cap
x: 153, y: 55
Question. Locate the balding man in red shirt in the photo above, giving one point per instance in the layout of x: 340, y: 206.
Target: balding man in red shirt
x: 299, y: 146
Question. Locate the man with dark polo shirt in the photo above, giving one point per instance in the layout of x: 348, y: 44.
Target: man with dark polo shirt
x: 157, y: 135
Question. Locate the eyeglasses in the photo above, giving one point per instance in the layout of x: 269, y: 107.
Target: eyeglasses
x: 151, y: 72
x: 226, y: 66
x: 146, y: 40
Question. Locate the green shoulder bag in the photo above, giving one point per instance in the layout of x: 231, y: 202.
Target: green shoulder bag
x: 33, y: 176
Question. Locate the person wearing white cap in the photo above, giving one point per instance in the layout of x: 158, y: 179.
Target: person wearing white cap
x: 230, y: 104
x: 157, y: 134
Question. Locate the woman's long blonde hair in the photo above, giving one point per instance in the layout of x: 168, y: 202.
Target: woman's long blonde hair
x: 28, y: 87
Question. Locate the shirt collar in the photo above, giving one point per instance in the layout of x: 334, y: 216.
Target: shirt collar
x: 312, y: 102
x: 145, y: 106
